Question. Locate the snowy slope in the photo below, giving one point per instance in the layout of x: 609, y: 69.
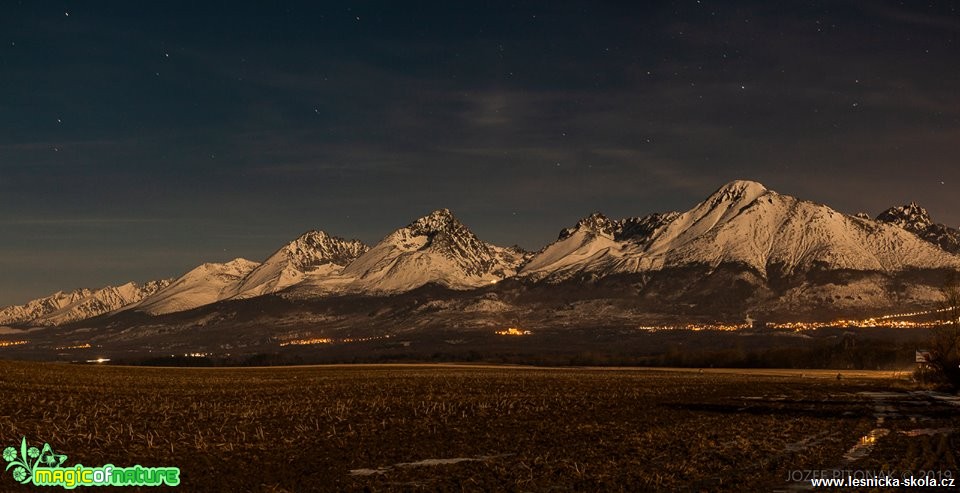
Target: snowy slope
x: 60, y: 308
x: 595, y: 244
x: 436, y: 248
x: 745, y: 224
x: 203, y: 285
x: 314, y: 253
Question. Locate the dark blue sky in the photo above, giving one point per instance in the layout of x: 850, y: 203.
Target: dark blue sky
x: 138, y: 139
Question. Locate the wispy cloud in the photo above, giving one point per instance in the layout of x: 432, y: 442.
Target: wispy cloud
x: 908, y: 16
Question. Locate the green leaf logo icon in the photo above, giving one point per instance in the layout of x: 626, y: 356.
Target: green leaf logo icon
x: 26, y: 460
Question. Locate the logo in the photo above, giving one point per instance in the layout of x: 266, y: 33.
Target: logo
x: 44, y: 467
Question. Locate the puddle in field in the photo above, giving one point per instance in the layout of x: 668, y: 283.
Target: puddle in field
x: 928, y: 431
x: 946, y: 398
x: 883, y: 395
x: 865, y: 445
x: 424, y: 462
x: 882, y: 412
x: 886, y: 406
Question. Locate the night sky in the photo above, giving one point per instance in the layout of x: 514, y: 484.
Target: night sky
x: 139, y: 139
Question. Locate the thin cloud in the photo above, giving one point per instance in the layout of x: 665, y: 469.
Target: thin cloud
x: 909, y: 17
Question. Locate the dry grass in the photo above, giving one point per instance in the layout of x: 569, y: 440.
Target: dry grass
x: 306, y: 429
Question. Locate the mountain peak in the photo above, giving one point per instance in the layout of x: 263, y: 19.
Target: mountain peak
x: 235, y: 267
x: 316, y: 247
x: 437, y: 221
x: 205, y: 284
x: 911, y: 217
x: 739, y: 189
x: 595, y: 219
x: 595, y: 223
x: 314, y: 252
x: 728, y: 201
x: 313, y: 233
x: 238, y: 263
x: 436, y: 248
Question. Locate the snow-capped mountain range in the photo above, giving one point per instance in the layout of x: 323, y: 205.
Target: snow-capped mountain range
x: 742, y: 224
x: 60, y: 307
x: 435, y: 249
x: 785, y: 249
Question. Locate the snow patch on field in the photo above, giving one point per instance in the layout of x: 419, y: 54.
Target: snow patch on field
x: 423, y: 463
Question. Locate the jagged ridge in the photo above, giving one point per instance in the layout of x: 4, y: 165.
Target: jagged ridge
x: 741, y: 224
x: 60, y: 307
x: 916, y: 220
x: 741, y: 228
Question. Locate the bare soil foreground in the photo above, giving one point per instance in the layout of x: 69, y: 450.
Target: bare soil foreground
x: 453, y: 428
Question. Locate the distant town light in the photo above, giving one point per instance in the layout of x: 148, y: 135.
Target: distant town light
x: 78, y: 346
x: 513, y: 331
x: 307, y: 342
